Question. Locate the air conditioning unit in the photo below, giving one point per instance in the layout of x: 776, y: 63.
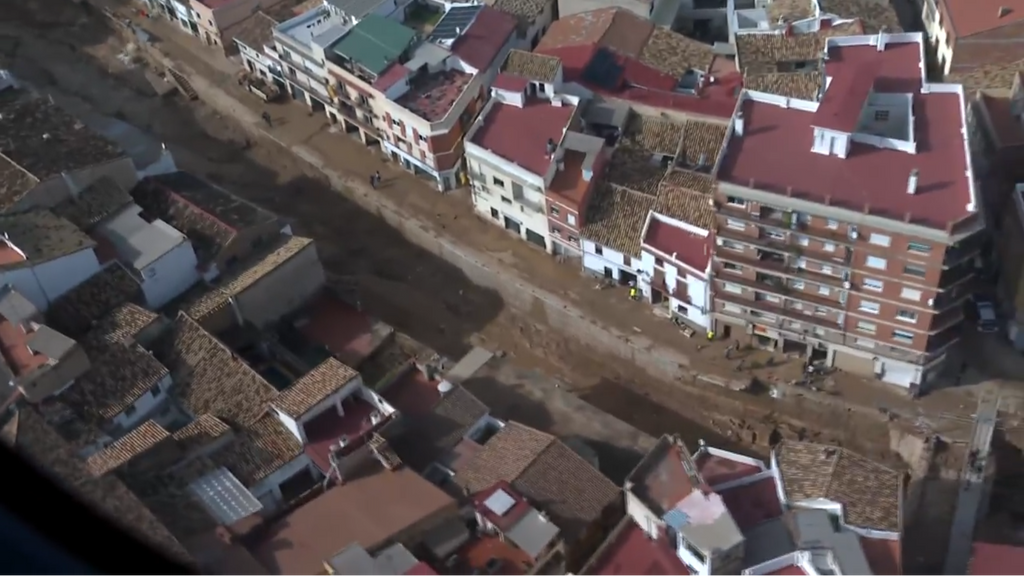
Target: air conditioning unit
x: 931, y: 301
x: 343, y: 441
x: 853, y: 234
x: 376, y: 417
x: 846, y: 285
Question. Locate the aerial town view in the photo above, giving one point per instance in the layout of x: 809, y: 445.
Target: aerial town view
x: 521, y: 286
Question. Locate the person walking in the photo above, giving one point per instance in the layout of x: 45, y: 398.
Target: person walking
x: 267, y: 119
x: 373, y: 181
x: 377, y: 176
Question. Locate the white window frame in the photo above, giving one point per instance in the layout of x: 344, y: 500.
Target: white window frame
x: 911, y: 294
x: 867, y: 284
x: 880, y: 239
x: 910, y: 317
x: 876, y: 262
x: 869, y: 307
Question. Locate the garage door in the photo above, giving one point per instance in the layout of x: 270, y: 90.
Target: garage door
x: 854, y: 363
x: 900, y: 374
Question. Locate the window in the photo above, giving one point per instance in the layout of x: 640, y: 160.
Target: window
x: 879, y: 239
x: 506, y: 200
x: 873, y: 285
x: 798, y: 284
x: 820, y: 310
x: 517, y: 190
x: 553, y: 210
x: 494, y: 214
x: 826, y: 270
x: 540, y: 87
x: 876, y: 262
x: 730, y: 245
x: 918, y: 248
x: 881, y: 115
x: 864, y: 343
x: 910, y: 294
x: 659, y: 262
x: 915, y: 271
x: 571, y: 219
x: 735, y: 224
x: 803, y: 240
x: 832, y: 224
x: 155, y: 391
x: 869, y: 307
x: 734, y: 288
x: 824, y: 290
x: 903, y: 336
x: 423, y: 138
x: 556, y: 231
x: 574, y: 239
x: 598, y: 250
x: 130, y: 410
x: 775, y: 234
x: 734, y: 201
x: 793, y: 325
x: 497, y: 181
x: 867, y: 327
x: 730, y: 267
x: 732, y: 309
x: 829, y: 247
x: 906, y: 315
x: 396, y: 122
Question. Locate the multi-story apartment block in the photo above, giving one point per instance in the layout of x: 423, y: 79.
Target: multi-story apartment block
x: 967, y: 35
x: 848, y: 223
x: 531, y: 170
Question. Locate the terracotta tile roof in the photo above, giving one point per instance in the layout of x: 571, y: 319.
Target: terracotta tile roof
x: 45, y: 140
x: 101, y: 199
x: 701, y: 140
x: 245, y: 276
x: 255, y: 32
x: 120, y: 374
x: 790, y: 10
x: 687, y: 196
x: 261, y: 449
x: 167, y: 495
x: 142, y: 438
x: 532, y: 66
x: 430, y: 435
x: 209, y: 378
x: 873, y: 14
x: 991, y: 77
x: 801, y: 85
x: 871, y: 494
x: 201, y: 432
x: 43, y: 236
x: 547, y: 472
x: 317, y: 384
x: 675, y: 54
x: 504, y: 457
x: 15, y: 183
x: 526, y: 10
x: 655, y: 135
x: 78, y: 309
x: 768, y: 53
x: 34, y: 439
x: 614, y: 28
x: 122, y: 325
x: 616, y: 218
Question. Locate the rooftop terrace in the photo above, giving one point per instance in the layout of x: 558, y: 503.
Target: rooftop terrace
x: 774, y: 153
x: 329, y: 324
x: 331, y: 431
x: 432, y: 97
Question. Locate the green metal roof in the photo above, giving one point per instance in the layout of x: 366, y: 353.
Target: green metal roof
x: 374, y: 43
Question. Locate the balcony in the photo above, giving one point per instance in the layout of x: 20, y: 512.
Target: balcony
x: 956, y: 274
x: 774, y: 285
x: 830, y: 331
x: 784, y: 224
x: 343, y: 432
x: 840, y: 257
x: 780, y: 265
x: 350, y: 114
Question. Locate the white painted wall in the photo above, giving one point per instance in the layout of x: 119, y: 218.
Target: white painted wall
x: 171, y: 275
x: 139, y: 411
x: 596, y: 263
x: 529, y: 211
x: 44, y: 283
x: 696, y: 286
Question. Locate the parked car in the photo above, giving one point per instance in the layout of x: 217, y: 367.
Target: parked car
x: 988, y: 320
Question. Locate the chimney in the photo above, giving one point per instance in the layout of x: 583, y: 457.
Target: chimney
x: 551, y: 147
x: 881, y: 39
x: 912, y: 182
x: 1003, y: 11
x: 788, y: 32
x: 737, y: 124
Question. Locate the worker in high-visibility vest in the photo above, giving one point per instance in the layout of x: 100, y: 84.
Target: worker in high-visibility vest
x: 711, y: 335
x: 633, y: 293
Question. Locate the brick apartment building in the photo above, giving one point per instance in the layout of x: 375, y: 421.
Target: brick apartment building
x: 847, y: 226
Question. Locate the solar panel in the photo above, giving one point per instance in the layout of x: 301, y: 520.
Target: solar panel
x: 603, y: 70
x: 455, y: 22
x: 224, y: 497
x: 676, y: 519
x: 500, y: 502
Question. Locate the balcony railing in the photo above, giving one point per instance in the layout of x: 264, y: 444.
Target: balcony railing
x: 786, y: 225
x: 779, y: 287
x: 840, y: 257
x: 784, y: 268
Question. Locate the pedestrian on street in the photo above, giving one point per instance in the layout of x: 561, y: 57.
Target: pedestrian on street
x: 373, y: 181
x: 266, y: 118
x: 377, y: 176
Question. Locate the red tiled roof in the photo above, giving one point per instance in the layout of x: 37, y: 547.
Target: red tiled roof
x: 391, y: 76
x: 645, y: 85
x: 510, y: 82
x: 775, y: 154
x: 685, y: 247
x: 969, y: 17
x: 996, y: 559
x: 632, y: 552
x: 480, y: 44
x: 520, y: 134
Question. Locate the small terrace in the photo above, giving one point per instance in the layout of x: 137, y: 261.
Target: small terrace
x: 329, y: 326
x: 413, y: 393
x: 488, y: 555
x: 432, y: 96
x: 346, y: 428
